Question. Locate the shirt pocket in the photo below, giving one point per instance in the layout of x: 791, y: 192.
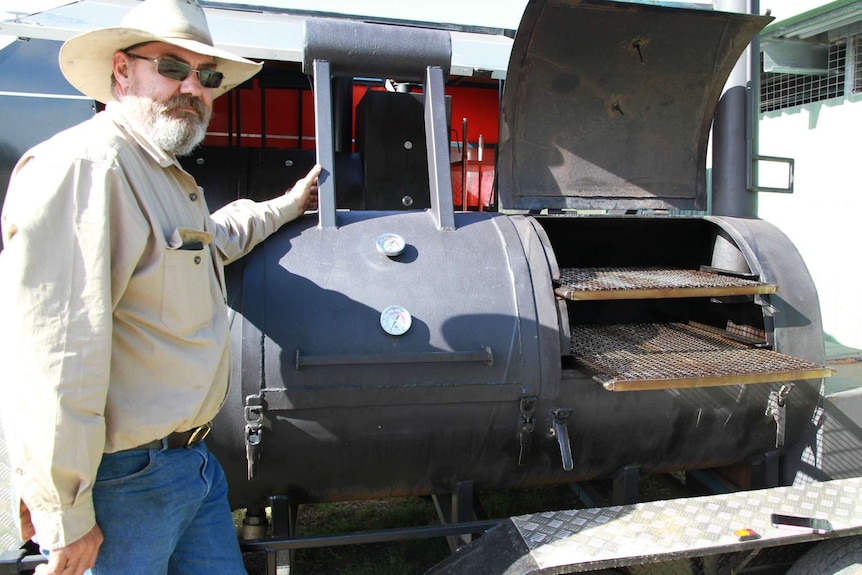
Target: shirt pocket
x: 187, y: 292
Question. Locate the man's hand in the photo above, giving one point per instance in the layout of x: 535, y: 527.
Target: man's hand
x: 305, y: 190
x: 27, y: 529
x: 75, y: 558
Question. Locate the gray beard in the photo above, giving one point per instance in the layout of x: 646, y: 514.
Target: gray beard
x: 176, y: 135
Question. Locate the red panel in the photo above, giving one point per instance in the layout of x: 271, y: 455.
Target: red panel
x: 480, y: 176
x: 281, y: 119
x: 479, y: 106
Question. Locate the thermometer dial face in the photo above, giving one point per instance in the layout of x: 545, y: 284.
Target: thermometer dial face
x: 390, y: 244
x: 395, y: 320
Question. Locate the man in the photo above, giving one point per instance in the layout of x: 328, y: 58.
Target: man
x: 115, y: 329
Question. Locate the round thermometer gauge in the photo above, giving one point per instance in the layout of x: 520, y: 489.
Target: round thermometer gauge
x: 395, y: 320
x: 390, y: 244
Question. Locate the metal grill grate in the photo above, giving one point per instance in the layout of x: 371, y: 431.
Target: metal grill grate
x: 747, y: 334
x: 630, y: 357
x: 652, y: 282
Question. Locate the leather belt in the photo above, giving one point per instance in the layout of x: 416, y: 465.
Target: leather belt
x: 178, y: 439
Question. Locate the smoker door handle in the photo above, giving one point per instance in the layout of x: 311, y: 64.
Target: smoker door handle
x: 482, y: 356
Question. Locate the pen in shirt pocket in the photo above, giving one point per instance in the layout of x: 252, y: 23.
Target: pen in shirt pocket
x: 189, y: 239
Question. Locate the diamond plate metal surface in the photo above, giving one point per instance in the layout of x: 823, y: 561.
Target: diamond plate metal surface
x: 661, y: 530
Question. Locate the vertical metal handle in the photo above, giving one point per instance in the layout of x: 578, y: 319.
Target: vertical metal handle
x: 561, y: 431
x: 464, y: 165
x: 437, y: 143
x: 324, y: 143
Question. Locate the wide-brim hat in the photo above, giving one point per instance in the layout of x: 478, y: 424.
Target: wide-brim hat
x: 87, y: 59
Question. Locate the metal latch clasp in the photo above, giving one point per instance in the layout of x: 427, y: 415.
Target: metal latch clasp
x: 776, y: 408
x: 525, y: 433
x: 253, y: 433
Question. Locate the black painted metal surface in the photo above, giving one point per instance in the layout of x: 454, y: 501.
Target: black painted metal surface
x: 400, y: 53
x: 347, y: 411
x: 608, y: 105
x: 482, y: 387
x: 325, y: 405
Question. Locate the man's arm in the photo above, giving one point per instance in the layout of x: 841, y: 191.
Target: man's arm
x: 243, y: 224
x: 56, y: 309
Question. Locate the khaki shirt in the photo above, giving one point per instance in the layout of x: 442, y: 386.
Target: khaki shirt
x: 112, y: 306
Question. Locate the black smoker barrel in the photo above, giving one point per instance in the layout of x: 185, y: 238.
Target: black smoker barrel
x: 384, y: 353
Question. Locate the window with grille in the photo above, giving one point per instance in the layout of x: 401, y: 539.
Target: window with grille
x: 856, y: 41
x: 778, y: 90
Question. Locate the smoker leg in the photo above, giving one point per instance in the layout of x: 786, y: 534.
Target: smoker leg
x: 254, y: 525
x: 456, y: 508
x: 709, y: 481
x: 284, y: 513
x: 765, y: 472
x: 626, y: 485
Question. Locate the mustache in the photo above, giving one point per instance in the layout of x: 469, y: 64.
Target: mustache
x: 186, y: 101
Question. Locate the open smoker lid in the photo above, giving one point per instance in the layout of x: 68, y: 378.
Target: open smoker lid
x: 608, y: 105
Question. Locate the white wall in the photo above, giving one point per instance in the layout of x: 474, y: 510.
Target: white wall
x: 783, y: 9
x: 823, y: 217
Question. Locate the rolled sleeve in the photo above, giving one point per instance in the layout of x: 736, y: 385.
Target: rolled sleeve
x: 243, y: 224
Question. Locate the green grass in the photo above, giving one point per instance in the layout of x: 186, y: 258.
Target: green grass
x: 395, y: 558
x: 401, y: 557
x: 414, y: 557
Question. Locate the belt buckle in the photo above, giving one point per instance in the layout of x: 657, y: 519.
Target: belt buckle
x: 198, y: 434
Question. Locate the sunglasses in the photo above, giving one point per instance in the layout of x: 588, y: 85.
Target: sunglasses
x: 179, y: 71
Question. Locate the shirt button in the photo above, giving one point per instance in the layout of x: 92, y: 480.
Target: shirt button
x: 197, y: 259
x: 193, y: 197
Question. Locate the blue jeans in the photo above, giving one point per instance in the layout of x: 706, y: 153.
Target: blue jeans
x: 164, y: 511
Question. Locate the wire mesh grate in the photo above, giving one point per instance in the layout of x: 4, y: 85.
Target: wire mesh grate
x: 626, y: 278
x: 857, y: 61
x: 779, y: 90
x: 844, y: 73
x: 655, y: 356
x: 652, y: 282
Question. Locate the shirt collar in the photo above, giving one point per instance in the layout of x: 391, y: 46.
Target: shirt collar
x: 163, y: 158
